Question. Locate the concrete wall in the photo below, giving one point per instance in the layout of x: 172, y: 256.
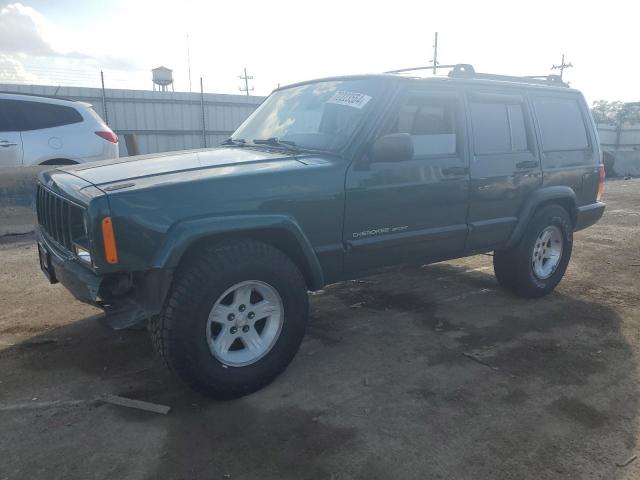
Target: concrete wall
x: 161, y: 121
x: 626, y: 163
x: 17, y: 199
x: 623, y: 147
x: 628, y: 137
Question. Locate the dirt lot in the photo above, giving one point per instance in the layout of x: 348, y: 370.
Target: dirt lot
x: 430, y: 372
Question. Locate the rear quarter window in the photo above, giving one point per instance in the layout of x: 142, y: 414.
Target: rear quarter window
x: 561, y: 124
x: 38, y: 115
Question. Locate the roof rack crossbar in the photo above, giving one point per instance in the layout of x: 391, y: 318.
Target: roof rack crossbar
x: 465, y: 70
x: 458, y: 66
x: 539, y: 79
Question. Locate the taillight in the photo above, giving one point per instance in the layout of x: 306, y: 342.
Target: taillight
x: 109, y: 240
x: 109, y: 136
x: 600, y: 183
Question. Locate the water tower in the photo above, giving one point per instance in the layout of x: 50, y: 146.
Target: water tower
x: 162, y: 77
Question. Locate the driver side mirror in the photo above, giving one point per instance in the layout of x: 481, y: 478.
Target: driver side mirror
x: 395, y: 147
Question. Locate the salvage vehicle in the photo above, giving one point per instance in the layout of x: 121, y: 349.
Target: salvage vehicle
x: 327, y: 180
x: 40, y: 130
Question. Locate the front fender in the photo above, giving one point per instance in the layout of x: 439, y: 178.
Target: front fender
x: 537, y: 198
x: 184, y: 234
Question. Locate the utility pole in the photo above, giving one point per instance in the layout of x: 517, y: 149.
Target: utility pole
x: 435, y: 54
x: 562, y: 66
x: 189, y: 61
x: 204, y: 125
x: 104, y: 99
x: 246, y: 79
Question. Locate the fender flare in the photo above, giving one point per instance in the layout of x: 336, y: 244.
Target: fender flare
x: 184, y: 234
x: 537, y: 198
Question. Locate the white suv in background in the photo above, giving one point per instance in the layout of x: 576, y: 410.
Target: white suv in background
x: 38, y: 130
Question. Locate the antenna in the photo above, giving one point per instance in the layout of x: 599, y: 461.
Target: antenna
x: 246, y: 79
x: 562, y: 66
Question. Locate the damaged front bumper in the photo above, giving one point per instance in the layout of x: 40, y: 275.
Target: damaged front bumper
x: 126, y: 298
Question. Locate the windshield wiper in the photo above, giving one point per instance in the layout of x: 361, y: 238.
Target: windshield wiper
x: 239, y: 142
x: 275, y: 142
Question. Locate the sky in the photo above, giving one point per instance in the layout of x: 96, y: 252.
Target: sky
x: 68, y: 42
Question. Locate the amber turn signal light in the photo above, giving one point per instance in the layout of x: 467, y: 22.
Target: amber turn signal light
x: 109, y: 240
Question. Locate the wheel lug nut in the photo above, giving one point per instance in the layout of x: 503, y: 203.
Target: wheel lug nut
x: 245, y: 329
x: 251, y: 315
x: 242, y: 308
x: 234, y: 329
x: 231, y: 317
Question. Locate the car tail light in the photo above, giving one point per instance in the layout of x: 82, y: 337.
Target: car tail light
x: 109, y: 240
x: 109, y: 136
x: 600, y: 183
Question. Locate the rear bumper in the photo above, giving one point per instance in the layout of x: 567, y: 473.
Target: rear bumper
x: 589, y: 214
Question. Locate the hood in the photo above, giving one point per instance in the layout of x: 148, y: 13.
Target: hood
x: 129, y: 170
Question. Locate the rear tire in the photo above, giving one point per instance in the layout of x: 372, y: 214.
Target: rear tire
x: 209, y: 333
x: 535, y: 266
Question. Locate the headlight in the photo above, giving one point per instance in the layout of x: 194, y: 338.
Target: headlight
x: 82, y: 253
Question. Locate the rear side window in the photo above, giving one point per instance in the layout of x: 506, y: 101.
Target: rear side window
x: 38, y: 115
x: 498, y: 128
x: 22, y: 115
x: 431, y: 122
x: 561, y: 124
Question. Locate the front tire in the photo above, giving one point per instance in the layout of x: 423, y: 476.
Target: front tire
x: 535, y: 266
x: 234, y: 318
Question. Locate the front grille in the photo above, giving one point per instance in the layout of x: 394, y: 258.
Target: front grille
x: 62, y: 220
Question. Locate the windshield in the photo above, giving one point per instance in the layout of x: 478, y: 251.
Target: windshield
x: 321, y: 115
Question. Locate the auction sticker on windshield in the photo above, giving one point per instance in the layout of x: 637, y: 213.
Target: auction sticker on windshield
x: 349, y: 99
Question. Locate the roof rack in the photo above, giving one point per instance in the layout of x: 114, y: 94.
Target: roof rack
x: 466, y: 70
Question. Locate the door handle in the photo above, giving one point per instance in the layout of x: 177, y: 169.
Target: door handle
x: 527, y: 164
x: 455, y: 171
x: 6, y: 143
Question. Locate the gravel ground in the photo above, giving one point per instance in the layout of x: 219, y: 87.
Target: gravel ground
x: 429, y: 372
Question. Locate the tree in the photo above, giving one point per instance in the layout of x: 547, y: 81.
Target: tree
x: 616, y: 113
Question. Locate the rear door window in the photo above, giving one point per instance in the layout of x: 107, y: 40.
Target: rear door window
x: 517, y: 127
x: 561, y: 124
x: 38, y: 115
x: 498, y: 128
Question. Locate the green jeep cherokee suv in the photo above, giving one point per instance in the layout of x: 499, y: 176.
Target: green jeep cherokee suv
x: 327, y: 180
